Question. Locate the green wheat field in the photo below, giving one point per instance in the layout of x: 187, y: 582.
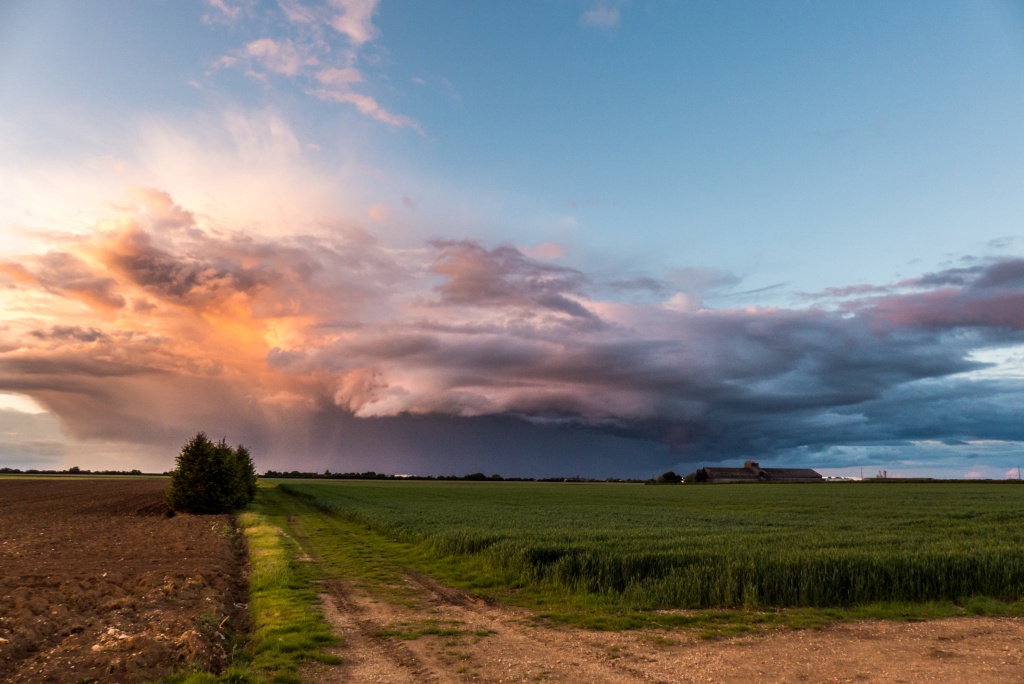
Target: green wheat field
x: 666, y: 547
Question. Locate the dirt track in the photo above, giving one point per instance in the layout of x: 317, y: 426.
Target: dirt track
x: 498, y: 644
x: 97, y: 582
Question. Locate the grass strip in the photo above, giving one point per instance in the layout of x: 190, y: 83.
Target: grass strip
x: 720, y: 623
x: 288, y: 628
x: 409, y: 631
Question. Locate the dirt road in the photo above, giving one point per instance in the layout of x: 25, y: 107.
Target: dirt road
x: 451, y: 636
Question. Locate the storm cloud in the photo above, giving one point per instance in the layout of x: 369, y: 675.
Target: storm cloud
x: 456, y: 356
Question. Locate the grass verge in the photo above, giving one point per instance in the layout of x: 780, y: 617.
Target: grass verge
x: 714, y: 624
x: 288, y: 628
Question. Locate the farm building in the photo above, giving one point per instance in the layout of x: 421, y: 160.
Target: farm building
x: 753, y: 472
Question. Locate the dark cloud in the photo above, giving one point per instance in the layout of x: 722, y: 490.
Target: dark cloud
x: 1006, y: 275
x: 65, y: 274
x: 71, y: 332
x: 956, y: 277
x: 639, y: 284
x: 361, y: 357
x: 438, y: 444
x: 992, y: 274
x: 186, y: 279
x: 505, y: 277
x: 848, y: 291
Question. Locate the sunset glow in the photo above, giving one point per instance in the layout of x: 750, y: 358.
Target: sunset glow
x: 358, y: 235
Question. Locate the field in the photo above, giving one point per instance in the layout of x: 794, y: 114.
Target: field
x: 496, y: 582
x: 97, y: 584
x: 465, y: 582
x: 669, y: 547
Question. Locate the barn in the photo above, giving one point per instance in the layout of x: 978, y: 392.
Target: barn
x: 753, y: 472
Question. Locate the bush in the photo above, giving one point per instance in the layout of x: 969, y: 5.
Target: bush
x: 211, y: 477
x: 665, y: 478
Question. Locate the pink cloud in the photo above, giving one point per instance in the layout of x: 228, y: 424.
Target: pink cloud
x: 355, y: 19
x: 297, y: 13
x: 601, y: 16
x: 544, y: 251
x: 312, y: 57
x: 379, y: 212
x: 370, y: 107
x: 280, y: 56
x: 339, y: 76
x: 506, y: 277
x: 159, y: 206
x: 949, y: 308
x: 224, y: 11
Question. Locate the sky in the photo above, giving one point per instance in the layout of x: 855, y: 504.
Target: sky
x: 603, y: 238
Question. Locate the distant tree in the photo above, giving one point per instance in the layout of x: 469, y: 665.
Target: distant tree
x: 669, y: 478
x: 211, y: 478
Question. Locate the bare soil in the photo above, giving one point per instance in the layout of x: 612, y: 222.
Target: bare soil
x: 98, y: 584
x: 482, y: 642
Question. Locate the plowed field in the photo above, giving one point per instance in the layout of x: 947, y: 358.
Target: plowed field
x: 98, y: 584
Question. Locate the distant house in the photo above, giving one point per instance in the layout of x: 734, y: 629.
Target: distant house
x: 753, y: 472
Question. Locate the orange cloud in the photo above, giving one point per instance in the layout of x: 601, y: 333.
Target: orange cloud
x: 65, y: 274
x: 160, y: 322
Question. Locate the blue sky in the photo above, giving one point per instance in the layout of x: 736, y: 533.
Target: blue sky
x: 802, y: 214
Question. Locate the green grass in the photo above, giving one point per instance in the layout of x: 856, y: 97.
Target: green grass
x: 630, y: 548
x: 288, y: 628
x: 429, y: 627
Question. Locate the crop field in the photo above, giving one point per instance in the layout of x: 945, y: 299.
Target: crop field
x: 663, y: 547
x: 97, y: 584
x: 461, y: 582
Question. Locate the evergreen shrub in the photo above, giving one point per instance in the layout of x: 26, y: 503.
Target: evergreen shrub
x: 211, y: 477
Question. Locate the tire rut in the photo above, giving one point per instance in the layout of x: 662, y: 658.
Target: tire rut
x: 491, y: 642
x: 369, y: 657
x: 515, y: 645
